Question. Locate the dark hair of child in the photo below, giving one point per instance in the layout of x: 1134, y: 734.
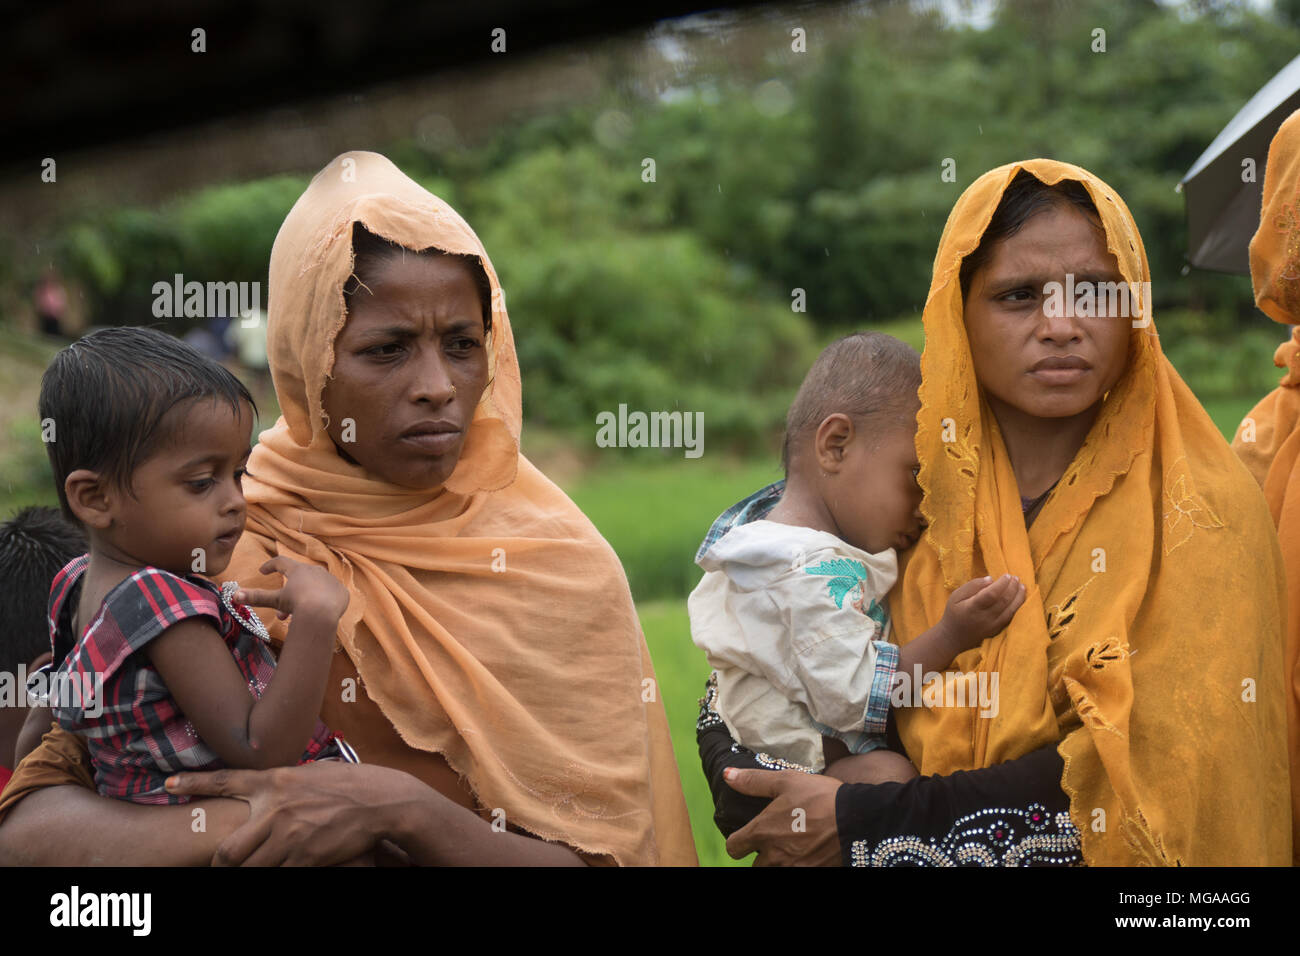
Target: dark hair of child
x: 35, y: 544
x: 104, y: 398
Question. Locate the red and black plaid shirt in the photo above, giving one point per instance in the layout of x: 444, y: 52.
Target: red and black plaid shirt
x: 136, y: 732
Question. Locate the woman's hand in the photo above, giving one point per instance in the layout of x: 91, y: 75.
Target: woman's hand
x: 329, y: 813
x: 319, y: 814
x: 797, y: 828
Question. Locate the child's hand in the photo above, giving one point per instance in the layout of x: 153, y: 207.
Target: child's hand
x: 982, y: 608
x: 307, y: 590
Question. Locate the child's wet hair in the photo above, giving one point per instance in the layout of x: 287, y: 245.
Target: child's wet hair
x: 869, y: 376
x: 107, y: 394
x: 35, y: 544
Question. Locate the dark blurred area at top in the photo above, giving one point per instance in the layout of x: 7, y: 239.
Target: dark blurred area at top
x: 82, y: 73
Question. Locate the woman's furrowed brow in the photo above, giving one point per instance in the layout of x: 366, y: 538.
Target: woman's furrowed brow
x: 463, y: 325
x: 386, y: 332
x: 390, y: 332
x: 1015, y: 280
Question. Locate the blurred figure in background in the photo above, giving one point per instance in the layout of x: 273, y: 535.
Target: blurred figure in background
x: 1268, y: 441
x: 51, y: 301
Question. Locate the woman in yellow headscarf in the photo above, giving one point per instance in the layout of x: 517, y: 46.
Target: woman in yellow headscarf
x: 1268, y: 439
x: 491, y: 672
x: 1140, y: 715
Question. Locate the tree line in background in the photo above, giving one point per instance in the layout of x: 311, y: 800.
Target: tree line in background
x: 819, y: 171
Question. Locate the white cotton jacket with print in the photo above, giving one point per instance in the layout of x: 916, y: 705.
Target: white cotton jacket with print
x: 795, y: 622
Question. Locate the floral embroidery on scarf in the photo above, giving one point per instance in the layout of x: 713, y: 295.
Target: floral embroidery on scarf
x: 963, y: 453
x: 1110, y: 651
x: 569, y: 790
x: 1288, y: 276
x: 1186, y: 512
x: 1061, y: 616
x: 849, y: 576
x: 1086, y: 708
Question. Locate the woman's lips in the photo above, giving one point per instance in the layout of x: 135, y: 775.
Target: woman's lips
x: 1060, y: 369
x: 1059, y: 376
x: 433, y: 443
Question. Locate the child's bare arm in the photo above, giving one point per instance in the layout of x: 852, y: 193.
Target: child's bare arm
x: 207, y: 684
x: 976, y: 611
x: 209, y: 688
x: 876, y: 766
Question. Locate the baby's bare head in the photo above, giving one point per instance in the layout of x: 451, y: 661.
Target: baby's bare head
x: 850, y: 449
x: 869, y: 376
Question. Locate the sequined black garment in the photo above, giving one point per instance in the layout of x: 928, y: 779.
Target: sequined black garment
x: 1011, y: 814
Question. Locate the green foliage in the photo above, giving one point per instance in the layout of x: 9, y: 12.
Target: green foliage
x: 222, y: 233
x: 1219, y: 366
x: 228, y: 231
x: 25, y: 476
x: 665, y: 324
x: 819, y: 172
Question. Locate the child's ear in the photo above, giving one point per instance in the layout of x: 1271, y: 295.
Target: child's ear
x: 832, y: 440
x: 89, y: 498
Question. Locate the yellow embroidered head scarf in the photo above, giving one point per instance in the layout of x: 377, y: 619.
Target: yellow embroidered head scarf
x: 1268, y: 439
x: 490, y: 622
x: 1150, y: 642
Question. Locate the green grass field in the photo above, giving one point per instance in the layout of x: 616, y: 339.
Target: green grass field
x: 654, y: 515
x: 681, y: 669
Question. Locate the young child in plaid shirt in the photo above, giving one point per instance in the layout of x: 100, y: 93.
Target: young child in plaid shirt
x: 158, y: 668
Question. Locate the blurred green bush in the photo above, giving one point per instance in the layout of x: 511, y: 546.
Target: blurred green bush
x: 821, y: 172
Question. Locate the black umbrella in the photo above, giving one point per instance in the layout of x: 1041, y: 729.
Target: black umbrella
x: 1222, y: 210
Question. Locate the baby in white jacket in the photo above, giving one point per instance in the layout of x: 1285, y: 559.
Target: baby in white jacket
x: 792, y: 608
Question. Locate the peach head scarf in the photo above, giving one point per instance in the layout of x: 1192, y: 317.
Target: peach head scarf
x: 1149, y: 645
x: 490, y: 622
x: 1268, y: 439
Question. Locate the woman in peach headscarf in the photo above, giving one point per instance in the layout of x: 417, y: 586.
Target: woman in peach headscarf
x: 1268, y: 439
x: 1140, y: 710
x: 491, y: 672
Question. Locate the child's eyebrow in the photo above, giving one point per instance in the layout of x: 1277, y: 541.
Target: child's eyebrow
x: 211, y: 457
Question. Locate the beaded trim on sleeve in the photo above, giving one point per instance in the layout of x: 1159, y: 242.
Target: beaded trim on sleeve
x: 773, y: 763
x: 709, y: 716
x: 997, y: 836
